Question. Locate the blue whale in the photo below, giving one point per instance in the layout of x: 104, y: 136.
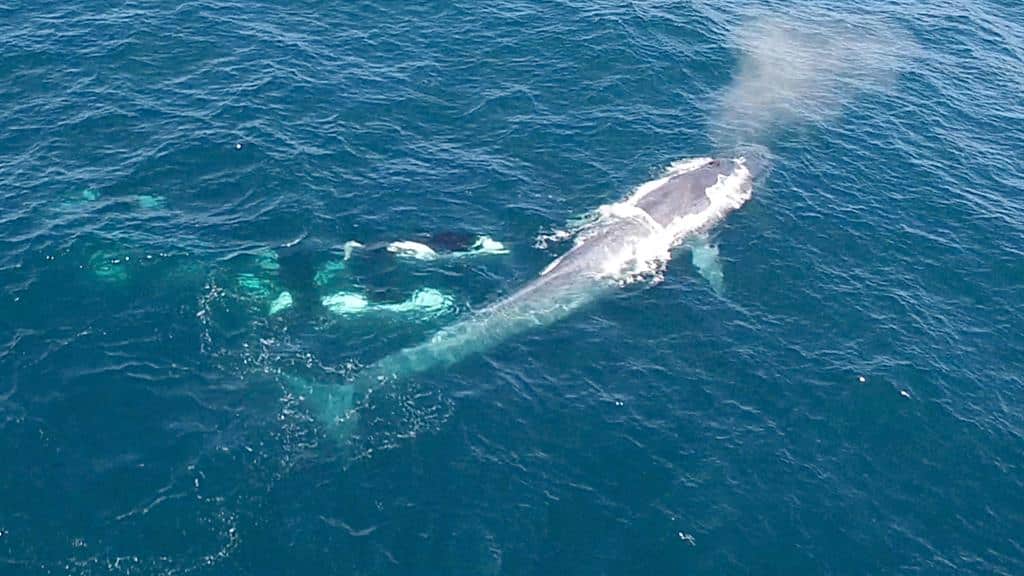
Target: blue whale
x: 621, y: 243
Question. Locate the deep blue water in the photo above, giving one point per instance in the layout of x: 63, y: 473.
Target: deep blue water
x: 151, y: 152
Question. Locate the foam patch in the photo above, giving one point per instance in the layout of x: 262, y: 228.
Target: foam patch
x: 410, y: 249
x: 345, y: 303
x: 426, y: 300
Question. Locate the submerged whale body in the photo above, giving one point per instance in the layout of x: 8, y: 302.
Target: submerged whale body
x: 624, y: 242
x: 304, y: 269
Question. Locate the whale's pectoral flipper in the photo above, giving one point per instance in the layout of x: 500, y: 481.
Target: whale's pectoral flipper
x: 707, y: 262
x: 330, y: 403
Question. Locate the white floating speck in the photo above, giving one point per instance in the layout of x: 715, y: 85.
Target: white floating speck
x: 904, y: 393
x: 861, y: 379
x: 238, y: 146
x: 687, y: 538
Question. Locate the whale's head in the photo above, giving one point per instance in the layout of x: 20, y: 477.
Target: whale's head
x: 688, y: 187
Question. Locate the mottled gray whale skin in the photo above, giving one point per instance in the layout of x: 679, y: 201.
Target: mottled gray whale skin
x: 684, y: 193
x: 571, y: 283
x: 581, y: 275
x: 660, y: 214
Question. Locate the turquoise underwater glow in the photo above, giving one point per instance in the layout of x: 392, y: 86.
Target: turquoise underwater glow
x: 198, y: 205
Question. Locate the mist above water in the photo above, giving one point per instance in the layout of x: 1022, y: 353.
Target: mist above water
x: 804, y: 70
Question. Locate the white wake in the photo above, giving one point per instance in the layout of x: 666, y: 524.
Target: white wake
x: 645, y: 258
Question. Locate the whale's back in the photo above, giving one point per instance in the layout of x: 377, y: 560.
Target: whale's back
x: 684, y: 193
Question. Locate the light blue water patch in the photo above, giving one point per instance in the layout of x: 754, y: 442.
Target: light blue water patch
x: 266, y: 259
x: 150, y: 202
x: 255, y: 286
x: 282, y: 302
x: 328, y: 272
x: 110, y: 265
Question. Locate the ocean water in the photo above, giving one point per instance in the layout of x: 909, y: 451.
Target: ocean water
x: 851, y: 403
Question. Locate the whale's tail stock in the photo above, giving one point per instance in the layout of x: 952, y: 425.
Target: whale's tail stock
x: 335, y: 405
x: 332, y: 404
